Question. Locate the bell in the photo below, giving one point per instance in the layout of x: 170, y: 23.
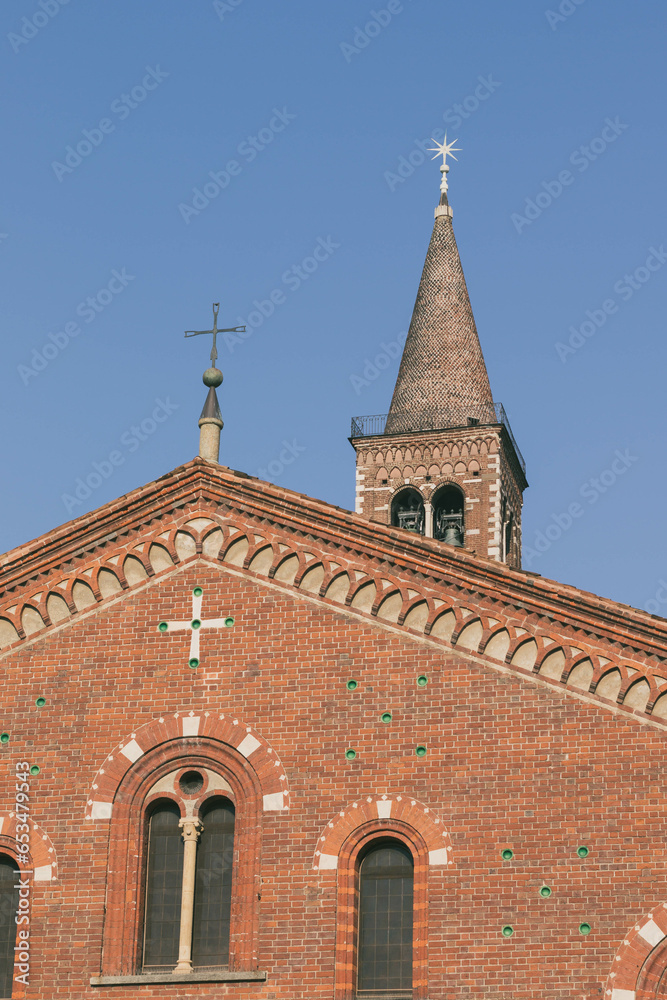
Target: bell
x: 453, y: 536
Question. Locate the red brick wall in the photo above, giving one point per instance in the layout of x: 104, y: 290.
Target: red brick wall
x: 509, y: 763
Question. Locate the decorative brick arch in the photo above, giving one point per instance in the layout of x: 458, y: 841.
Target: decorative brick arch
x: 214, y: 527
x: 219, y: 728
x: 42, y: 852
x: 386, y: 811
x: 447, y: 480
x: 638, y: 968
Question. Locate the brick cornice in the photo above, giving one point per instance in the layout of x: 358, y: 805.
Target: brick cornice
x: 381, y: 545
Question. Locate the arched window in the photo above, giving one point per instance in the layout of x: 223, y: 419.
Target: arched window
x: 384, y: 956
x: 164, y: 881
x: 407, y: 511
x: 186, y: 824
x: 448, y: 523
x: 9, y: 901
x: 188, y: 902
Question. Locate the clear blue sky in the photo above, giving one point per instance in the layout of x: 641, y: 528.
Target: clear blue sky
x: 181, y: 88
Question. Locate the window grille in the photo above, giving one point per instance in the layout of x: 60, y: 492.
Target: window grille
x: 385, y: 923
x: 164, y: 878
x: 213, y: 886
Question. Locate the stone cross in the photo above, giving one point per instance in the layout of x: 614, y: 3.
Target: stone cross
x: 195, y: 624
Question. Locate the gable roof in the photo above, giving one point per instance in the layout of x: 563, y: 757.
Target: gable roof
x: 512, y: 619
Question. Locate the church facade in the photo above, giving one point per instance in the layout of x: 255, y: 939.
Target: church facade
x: 256, y: 746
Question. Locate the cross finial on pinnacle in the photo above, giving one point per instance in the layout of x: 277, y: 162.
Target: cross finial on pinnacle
x: 210, y: 422
x: 215, y: 332
x: 444, y: 149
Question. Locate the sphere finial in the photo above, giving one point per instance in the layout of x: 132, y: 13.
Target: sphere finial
x: 212, y: 377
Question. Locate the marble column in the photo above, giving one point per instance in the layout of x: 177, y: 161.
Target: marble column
x: 191, y: 829
x: 428, y: 519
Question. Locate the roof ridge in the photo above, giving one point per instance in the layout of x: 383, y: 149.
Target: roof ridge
x: 305, y: 515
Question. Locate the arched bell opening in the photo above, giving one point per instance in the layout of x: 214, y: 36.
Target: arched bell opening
x: 407, y: 511
x: 448, y: 523
x: 507, y: 519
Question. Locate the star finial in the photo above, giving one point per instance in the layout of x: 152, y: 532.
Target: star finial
x: 444, y: 149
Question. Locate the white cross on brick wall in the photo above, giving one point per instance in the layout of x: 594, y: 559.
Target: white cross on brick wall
x: 195, y: 625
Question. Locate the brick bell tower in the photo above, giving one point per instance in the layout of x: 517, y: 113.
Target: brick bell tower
x: 443, y: 462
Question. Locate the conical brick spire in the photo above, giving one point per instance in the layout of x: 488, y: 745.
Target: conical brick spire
x: 442, y: 371
x: 444, y: 462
